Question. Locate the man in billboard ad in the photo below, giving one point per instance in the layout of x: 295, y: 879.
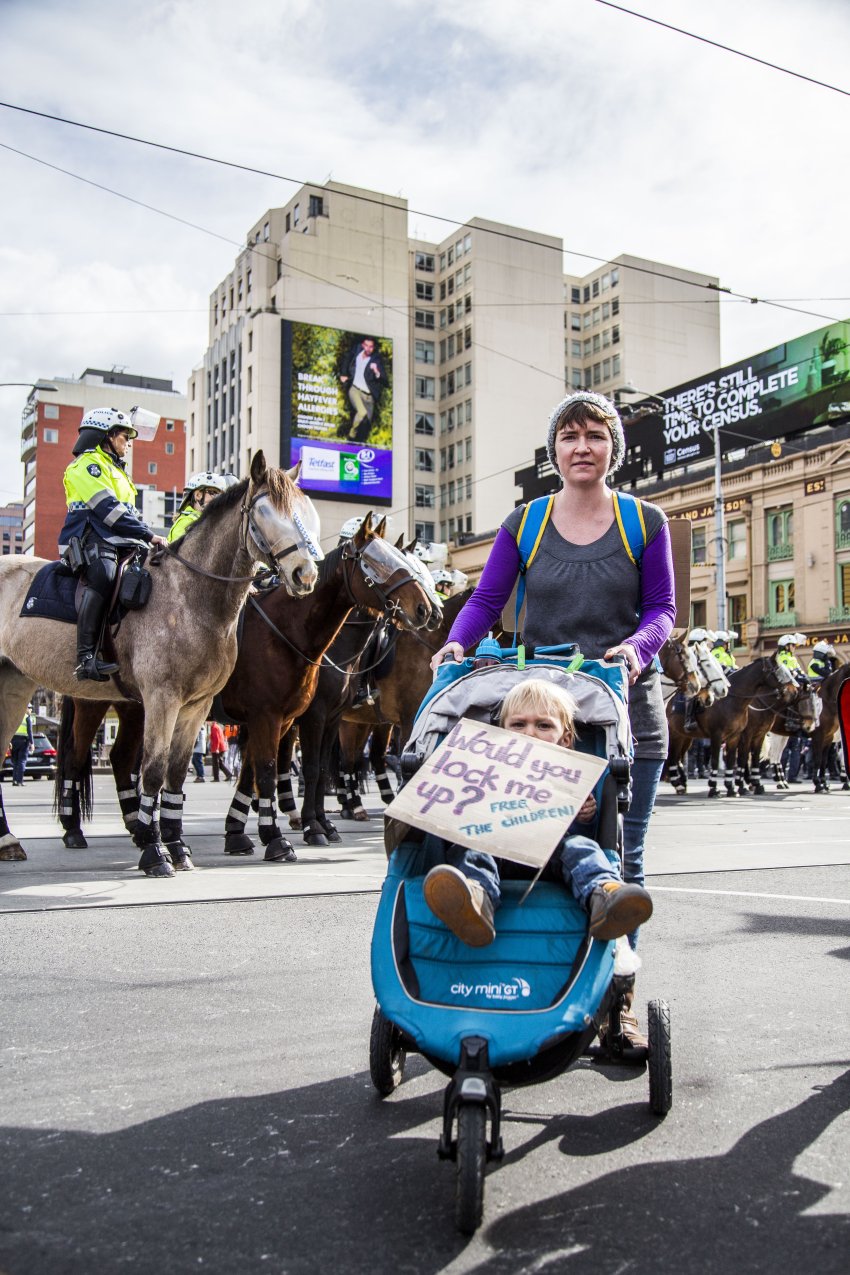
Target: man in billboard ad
x: 337, y: 410
x: 793, y: 387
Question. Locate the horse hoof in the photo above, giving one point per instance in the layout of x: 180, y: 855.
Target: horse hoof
x: 180, y: 856
x: 315, y: 838
x: 331, y: 833
x: 12, y: 853
x: 680, y: 791
x: 280, y: 851
x: 712, y: 792
x: 238, y: 843
x: 155, y: 863
x: 295, y: 823
x: 75, y: 841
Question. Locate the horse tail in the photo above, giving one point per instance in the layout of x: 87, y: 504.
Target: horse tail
x: 64, y: 747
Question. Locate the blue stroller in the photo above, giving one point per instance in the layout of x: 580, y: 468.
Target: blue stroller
x: 526, y: 1007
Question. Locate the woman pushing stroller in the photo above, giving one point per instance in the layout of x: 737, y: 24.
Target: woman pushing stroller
x: 594, y: 582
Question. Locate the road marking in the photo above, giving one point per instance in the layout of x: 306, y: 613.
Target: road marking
x: 748, y: 894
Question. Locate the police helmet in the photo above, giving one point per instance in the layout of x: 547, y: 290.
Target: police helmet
x: 443, y: 577
x: 732, y: 635
x: 698, y: 635
x: 788, y: 639
x: 106, y: 419
x: 720, y: 635
x: 206, y: 480
x: 823, y: 648
x: 349, y: 529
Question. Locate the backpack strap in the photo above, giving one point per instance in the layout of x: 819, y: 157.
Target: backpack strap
x: 629, y: 515
x: 528, y: 537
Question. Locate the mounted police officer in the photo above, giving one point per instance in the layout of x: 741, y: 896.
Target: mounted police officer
x: 722, y: 640
x: 823, y: 662
x: 198, y: 492
x: 102, y: 525
x: 785, y: 655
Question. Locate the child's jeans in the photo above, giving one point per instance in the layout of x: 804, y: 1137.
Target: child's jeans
x: 583, y: 863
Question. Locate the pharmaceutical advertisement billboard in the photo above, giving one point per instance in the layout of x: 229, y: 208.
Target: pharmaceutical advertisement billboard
x: 801, y: 384
x: 337, y: 411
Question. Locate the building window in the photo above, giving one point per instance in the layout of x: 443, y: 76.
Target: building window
x: 468, y: 409
x: 575, y: 296
x: 615, y: 365
x: 842, y: 524
x: 780, y: 535
x: 597, y: 374
x: 169, y: 425
x: 288, y: 222
x: 424, y: 386
x: 467, y: 243
x: 606, y: 369
x: 597, y: 343
x: 575, y: 349
x: 423, y: 531
x: 151, y: 466
x: 781, y: 597
x: 698, y: 614
x: 316, y: 207
x: 423, y: 496
x: 615, y: 277
x: 737, y: 539
x: 169, y: 449
x: 50, y: 435
x: 606, y: 282
x: 585, y: 292
x: 467, y: 373
x: 615, y: 334
x: 469, y: 487
x: 424, y: 319
x: 737, y: 610
x: 424, y: 291
x: 469, y: 449
x: 424, y: 460
x: 595, y: 288
x: 442, y: 261
x: 424, y: 424
x: 597, y: 314
x: 586, y: 319
x: 266, y: 232
x: 576, y: 378
x: 699, y: 547
x: 424, y: 261
x: 296, y: 214
x: 248, y: 282
x: 51, y: 411
x: 424, y: 352
x: 606, y: 338
x: 575, y: 322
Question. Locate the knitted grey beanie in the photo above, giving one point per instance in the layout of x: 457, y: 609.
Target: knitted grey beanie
x: 615, y: 425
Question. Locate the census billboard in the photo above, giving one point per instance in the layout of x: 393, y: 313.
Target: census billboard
x: 790, y: 388
x: 337, y: 410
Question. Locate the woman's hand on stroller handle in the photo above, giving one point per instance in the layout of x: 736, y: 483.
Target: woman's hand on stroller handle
x: 626, y: 653
x: 452, y: 653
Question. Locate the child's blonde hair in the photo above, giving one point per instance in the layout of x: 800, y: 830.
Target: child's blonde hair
x: 537, y: 696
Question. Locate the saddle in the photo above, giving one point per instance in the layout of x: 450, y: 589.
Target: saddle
x: 56, y: 591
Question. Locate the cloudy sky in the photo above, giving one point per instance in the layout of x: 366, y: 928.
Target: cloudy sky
x: 565, y: 116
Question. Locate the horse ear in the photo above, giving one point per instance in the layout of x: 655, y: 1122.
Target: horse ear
x: 294, y: 471
x: 258, y: 468
x: 399, y: 544
x: 366, y: 525
x: 409, y: 548
x: 381, y: 528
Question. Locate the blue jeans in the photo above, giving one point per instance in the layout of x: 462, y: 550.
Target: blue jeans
x: 198, y: 764
x: 583, y: 864
x: 645, y: 776
x: 20, y: 752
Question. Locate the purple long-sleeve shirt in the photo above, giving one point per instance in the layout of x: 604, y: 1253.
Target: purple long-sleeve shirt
x: 657, y: 610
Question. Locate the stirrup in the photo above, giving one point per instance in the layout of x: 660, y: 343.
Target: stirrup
x: 90, y: 669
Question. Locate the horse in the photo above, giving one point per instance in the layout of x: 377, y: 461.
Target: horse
x: 724, y: 720
x: 365, y: 573
x: 280, y: 652
x: 798, y: 714
x: 824, y: 733
x: 176, y: 652
x: 679, y: 672
x: 712, y: 685
x: 401, y: 692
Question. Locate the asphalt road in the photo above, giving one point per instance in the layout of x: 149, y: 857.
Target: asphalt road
x: 185, y: 1081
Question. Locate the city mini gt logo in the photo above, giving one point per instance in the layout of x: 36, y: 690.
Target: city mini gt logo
x: 495, y: 991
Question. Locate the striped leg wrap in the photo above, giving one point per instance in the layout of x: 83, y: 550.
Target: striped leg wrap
x: 147, y: 810
x: 352, y: 799
x: 237, y: 815
x: 267, y: 825
x: 69, y: 802
x: 171, y: 815
x: 385, y: 788
x: 285, y: 798
x: 128, y: 800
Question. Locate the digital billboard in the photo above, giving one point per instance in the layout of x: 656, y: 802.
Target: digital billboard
x: 790, y: 388
x: 337, y: 410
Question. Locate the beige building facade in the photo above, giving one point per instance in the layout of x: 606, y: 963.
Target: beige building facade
x: 487, y: 332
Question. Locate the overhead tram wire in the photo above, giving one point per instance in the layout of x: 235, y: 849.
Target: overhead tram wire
x: 370, y: 199
x: 726, y: 48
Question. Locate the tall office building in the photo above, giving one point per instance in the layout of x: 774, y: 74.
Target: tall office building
x: 49, y: 429
x: 476, y: 338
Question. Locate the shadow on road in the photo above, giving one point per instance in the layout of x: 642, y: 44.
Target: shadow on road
x: 327, y: 1178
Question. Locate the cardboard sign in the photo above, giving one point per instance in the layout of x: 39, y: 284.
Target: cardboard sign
x: 489, y: 789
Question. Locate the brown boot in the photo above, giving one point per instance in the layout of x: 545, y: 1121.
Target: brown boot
x: 634, y: 1040
x: 617, y: 908
x: 462, y: 905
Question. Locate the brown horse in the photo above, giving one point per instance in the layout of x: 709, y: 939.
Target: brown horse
x: 824, y: 733
x: 401, y: 692
x: 765, y: 683
x: 176, y: 652
x: 799, y: 714
x: 274, y: 678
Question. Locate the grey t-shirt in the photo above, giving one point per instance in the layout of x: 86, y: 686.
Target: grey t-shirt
x: 590, y: 595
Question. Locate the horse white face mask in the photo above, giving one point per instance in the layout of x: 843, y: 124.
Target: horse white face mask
x: 288, y: 543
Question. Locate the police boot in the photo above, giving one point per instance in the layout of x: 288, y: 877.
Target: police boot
x: 89, y: 625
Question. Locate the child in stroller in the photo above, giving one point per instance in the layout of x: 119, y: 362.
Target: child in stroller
x: 464, y: 892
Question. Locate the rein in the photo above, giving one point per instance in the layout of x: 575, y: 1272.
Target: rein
x: 158, y: 555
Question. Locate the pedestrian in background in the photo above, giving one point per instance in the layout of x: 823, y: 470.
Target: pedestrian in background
x: 198, y: 756
x: 22, y: 742
x: 218, y: 749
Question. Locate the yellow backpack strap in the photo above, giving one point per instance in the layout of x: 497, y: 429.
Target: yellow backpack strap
x: 629, y: 515
x: 528, y: 537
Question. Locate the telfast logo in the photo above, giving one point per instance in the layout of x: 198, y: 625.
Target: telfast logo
x: 512, y: 991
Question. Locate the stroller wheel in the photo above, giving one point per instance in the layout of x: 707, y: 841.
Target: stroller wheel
x: 471, y: 1158
x: 659, y: 1062
x: 387, y: 1056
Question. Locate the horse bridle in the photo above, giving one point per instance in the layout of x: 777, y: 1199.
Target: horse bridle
x: 682, y: 683
x: 367, y: 557
x: 775, y: 673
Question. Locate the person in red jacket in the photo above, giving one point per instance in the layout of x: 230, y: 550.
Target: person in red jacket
x: 218, y: 750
